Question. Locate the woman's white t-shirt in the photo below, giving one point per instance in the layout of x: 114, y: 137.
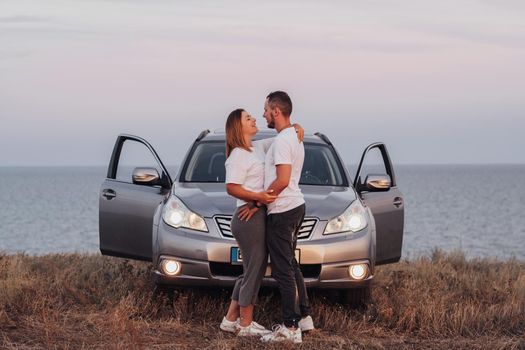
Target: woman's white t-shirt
x: 247, y: 168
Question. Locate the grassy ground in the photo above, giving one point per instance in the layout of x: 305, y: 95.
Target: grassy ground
x: 88, y: 301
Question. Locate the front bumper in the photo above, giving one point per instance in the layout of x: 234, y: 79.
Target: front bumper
x: 205, y: 259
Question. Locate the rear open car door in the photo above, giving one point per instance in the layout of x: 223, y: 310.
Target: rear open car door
x: 126, y: 209
x: 387, y: 206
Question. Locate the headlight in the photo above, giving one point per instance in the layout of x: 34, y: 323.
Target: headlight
x: 176, y: 214
x: 353, y: 219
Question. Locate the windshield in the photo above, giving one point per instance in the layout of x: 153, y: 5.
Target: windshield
x: 206, y: 164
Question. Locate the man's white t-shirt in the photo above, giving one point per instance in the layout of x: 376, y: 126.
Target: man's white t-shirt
x: 285, y: 149
x: 247, y: 168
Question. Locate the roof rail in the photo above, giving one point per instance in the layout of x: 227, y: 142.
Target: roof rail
x: 202, y: 134
x: 324, y: 138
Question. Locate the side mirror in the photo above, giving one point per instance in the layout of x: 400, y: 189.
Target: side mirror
x: 146, y: 176
x: 378, y: 182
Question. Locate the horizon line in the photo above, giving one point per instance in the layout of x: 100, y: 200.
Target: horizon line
x: 105, y: 165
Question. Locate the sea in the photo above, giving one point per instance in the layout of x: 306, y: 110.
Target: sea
x: 476, y: 209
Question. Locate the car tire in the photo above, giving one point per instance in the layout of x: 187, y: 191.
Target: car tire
x: 355, y: 298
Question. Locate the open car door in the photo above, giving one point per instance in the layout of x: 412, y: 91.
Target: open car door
x: 376, y: 184
x: 136, y: 183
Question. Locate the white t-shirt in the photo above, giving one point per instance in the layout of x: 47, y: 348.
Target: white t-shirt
x: 247, y: 168
x: 285, y: 149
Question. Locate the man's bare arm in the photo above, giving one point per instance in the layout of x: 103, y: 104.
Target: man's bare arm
x: 284, y: 173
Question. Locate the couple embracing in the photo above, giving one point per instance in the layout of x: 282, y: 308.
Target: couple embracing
x: 264, y: 177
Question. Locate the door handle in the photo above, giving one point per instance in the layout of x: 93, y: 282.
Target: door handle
x: 398, y: 201
x: 109, y: 194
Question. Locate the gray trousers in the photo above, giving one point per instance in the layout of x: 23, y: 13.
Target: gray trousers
x: 251, y: 238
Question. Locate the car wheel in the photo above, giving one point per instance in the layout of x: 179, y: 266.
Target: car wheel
x: 355, y: 298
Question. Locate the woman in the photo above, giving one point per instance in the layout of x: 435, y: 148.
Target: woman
x: 245, y: 181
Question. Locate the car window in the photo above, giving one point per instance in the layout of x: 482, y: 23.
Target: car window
x: 133, y: 155
x: 372, y: 164
x: 206, y: 164
x: 320, y: 166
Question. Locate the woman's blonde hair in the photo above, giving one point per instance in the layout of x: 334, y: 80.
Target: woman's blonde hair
x: 234, y: 135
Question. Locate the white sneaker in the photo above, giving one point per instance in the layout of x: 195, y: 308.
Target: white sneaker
x: 306, y: 324
x: 253, y: 329
x: 283, y: 333
x: 229, y: 326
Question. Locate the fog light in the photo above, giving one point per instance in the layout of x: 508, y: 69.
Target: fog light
x: 170, y: 267
x: 358, y: 271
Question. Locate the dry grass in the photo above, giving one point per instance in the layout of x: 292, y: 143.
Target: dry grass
x: 89, y: 301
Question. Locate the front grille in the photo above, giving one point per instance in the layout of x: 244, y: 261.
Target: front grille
x: 225, y: 269
x: 229, y: 270
x: 307, y: 227
x: 224, y: 224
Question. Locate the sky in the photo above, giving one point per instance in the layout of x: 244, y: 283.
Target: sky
x: 438, y: 81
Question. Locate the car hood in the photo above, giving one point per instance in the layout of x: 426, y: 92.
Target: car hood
x: 209, y: 199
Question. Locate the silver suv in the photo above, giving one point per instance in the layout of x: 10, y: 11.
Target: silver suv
x: 182, y: 223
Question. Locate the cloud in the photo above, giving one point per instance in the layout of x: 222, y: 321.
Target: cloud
x: 492, y: 33
x: 6, y: 55
x: 23, y: 19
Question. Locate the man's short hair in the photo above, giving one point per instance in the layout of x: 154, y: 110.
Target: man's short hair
x: 281, y: 100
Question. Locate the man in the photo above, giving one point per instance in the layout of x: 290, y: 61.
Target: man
x: 283, y: 165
